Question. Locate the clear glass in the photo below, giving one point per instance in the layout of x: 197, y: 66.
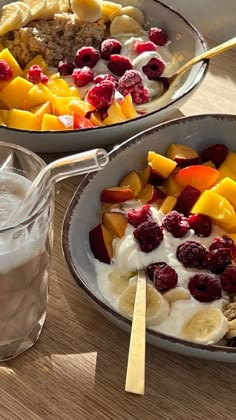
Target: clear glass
x: 25, y: 253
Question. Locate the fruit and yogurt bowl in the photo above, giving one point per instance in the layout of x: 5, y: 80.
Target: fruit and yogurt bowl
x: 175, y: 218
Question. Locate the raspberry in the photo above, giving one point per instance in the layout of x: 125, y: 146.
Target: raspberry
x: 110, y: 47
x: 129, y: 79
x: 102, y: 77
x: 150, y: 269
x: 191, y: 254
x: 102, y: 94
x: 228, y: 279
x: 187, y: 199
x: 136, y: 217
x: 164, y: 278
x: 154, y: 68
x: 118, y: 64
x: 216, y: 154
x: 6, y: 72
x: 216, y: 261
x: 131, y: 82
x: 176, y: 224
x: 65, y: 67
x: 204, y: 288
x: 35, y: 75
x: 158, y: 36
x: 82, y: 77
x: 224, y: 242
x: 201, y: 224
x: 86, y: 56
x: 149, y: 235
x: 141, y: 47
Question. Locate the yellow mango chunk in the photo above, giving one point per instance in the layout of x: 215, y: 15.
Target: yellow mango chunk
x: 127, y: 107
x: 217, y: 208
x: 60, y: 106
x: 59, y: 87
x: 8, y: 57
x: 226, y: 188
x: 14, y: 94
x: 95, y: 118
x: 80, y: 107
x: 115, y: 114
x: 1, y: 121
x: 53, y: 123
x: 39, y: 61
x: 168, y: 204
x: 74, y: 91
x: 4, y: 113
x: 162, y: 165
x: 40, y: 110
x: 37, y: 95
x: 23, y: 120
x: 228, y: 167
x: 232, y: 236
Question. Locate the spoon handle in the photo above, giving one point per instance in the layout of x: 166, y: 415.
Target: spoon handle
x: 207, y: 54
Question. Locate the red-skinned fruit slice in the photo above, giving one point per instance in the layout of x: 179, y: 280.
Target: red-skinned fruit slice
x: 157, y: 196
x: 100, y: 239
x: 182, y: 155
x: 133, y: 181
x: 198, y: 176
x: 117, y: 194
x: 151, y: 194
x: 186, y: 200
x: 115, y: 222
x: 145, y: 174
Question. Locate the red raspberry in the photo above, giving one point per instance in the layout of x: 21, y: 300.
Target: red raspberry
x: 6, y: 72
x: 102, y: 77
x: 187, y: 199
x: 110, y: 47
x: 35, y: 75
x: 129, y: 79
x: 102, y: 94
x: 204, y: 288
x: 135, y: 217
x: 216, y: 261
x: 150, y: 269
x: 118, y: 64
x: 44, y: 78
x: 228, y: 279
x: 154, y: 68
x: 149, y: 235
x: 192, y: 254
x: 82, y: 77
x: 131, y: 82
x: 224, y: 242
x: 158, y: 36
x: 217, y: 154
x: 141, y: 47
x: 65, y: 67
x: 86, y: 56
x: 164, y: 277
x: 201, y: 224
x: 176, y: 224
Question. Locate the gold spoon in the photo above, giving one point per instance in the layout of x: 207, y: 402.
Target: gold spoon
x: 168, y: 81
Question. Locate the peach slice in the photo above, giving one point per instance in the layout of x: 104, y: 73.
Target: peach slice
x: 168, y: 204
x: 115, y: 222
x: 151, y: 194
x: 198, y: 176
x: 100, y: 240
x: 172, y: 187
x: 127, y: 107
x: 133, y: 181
x: 183, y: 155
x: 107, y: 207
x: 116, y: 194
x: 145, y: 174
x: 161, y: 165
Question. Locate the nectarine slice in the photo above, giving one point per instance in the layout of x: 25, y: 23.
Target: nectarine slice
x: 161, y: 165
x: 133, y: 181
x: 145, y: 174
x: 168, y: 204
x: 115, y: 222
x: 198, y: 176
x: 116, y: 194
x: 183, y: 155
x: 100, y: 239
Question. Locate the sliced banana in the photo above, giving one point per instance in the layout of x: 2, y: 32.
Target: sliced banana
x: 231, y: 334
x: 37, y: 7
x: 25, y: 13
x: 157, y: 309
x: 119, y: 283
x: 207, y: 326
x: 108, y: 8
x: 178, y: 293
x: 124, y: 24
x: 130, y: 11
x: 232, y: 324
x: 87, y: 10
x: 10, y: 18
x: 52, y: 7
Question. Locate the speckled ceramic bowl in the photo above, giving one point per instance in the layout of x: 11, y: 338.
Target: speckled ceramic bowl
x: 83, y: 213
x: 186, y: 42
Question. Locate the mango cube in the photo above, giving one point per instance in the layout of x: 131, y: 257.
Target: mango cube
x: 54, y: 123
x: 8, y: 57
x: 14, y: 94
x: 218, y: 208
x: 227, y: 188
x: 23, y: 120
x: 4, y: 113
x: 37, y: 95
x: 115, y: 114
x: 59, y: 87
x: 128, y: 108
x: 168, y: 204
x: 39, y: 61
x: 95, y: 118
x: 228, y: 167
x: 40, y: 110
x: 161, y: 164
x: 225, y: 172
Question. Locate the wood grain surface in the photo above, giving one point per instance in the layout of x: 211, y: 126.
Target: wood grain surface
x: 77, y: 368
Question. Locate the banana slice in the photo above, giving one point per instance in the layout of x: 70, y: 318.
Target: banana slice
x: 231, y: 334
x: 124, y: 24
x: 37, y: 7
x: 10, y: 18
x: 178, y: 293
x: 108, y: 8
x: 52, y: 7
x: 232, y: 324
x: 63, y: 6
x: 206, y: 327
x: 119, y: 283
x: 87, y: 10
x: 130, y: 11
x: 25, y: 13
x: 157, y: 307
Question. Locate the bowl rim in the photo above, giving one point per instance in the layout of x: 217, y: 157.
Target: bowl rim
x: 199, y: 78
x: 69, y: 259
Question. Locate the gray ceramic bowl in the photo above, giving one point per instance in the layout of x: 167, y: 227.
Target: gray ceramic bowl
x: 186, y: 42
x: 83, y: 213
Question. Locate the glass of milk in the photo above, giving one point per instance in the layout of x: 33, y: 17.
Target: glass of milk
x: 25, y: 252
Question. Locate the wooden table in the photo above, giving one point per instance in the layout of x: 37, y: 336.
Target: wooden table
x: 77, y: 368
